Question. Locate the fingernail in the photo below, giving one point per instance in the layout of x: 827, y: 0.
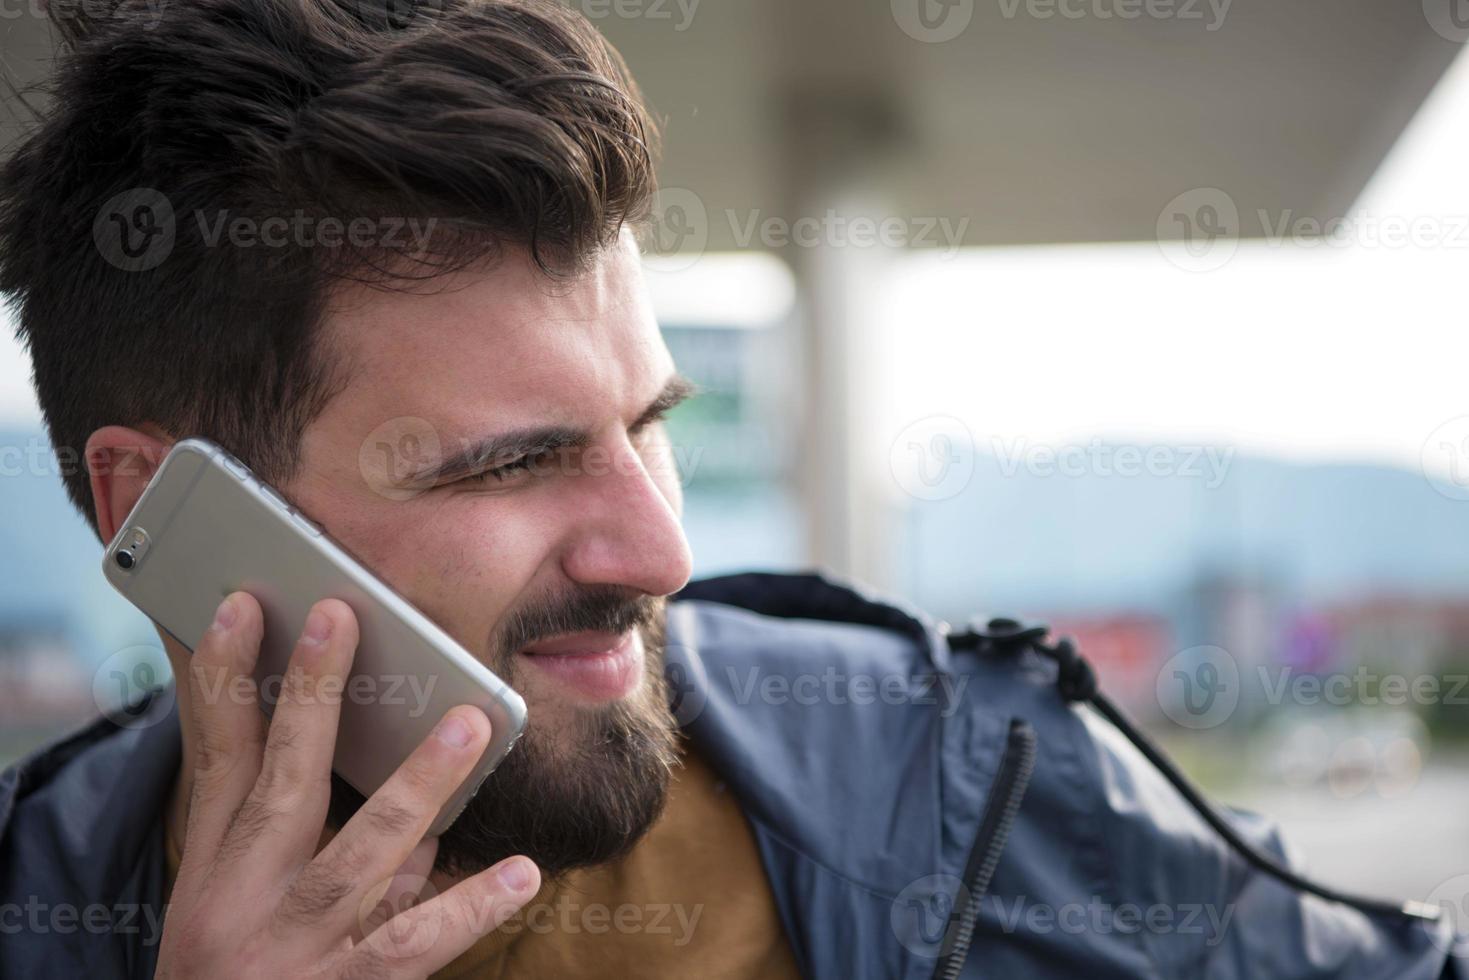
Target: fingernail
x: 318, y: 627
x: 224, y: 616
x: 514, y: 874
x: 453, y: 731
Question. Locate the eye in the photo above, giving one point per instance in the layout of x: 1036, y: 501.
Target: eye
x: 506, y: 471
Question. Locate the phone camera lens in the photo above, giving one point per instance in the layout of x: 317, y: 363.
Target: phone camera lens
x: 125, y: 560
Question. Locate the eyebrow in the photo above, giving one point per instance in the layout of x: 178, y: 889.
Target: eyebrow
x: 507, y: 446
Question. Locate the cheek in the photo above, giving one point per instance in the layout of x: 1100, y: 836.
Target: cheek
x: 479, y: 560
x: 463, y: 560
x: 483, y: 545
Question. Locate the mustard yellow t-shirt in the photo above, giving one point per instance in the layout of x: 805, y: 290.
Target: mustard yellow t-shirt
x: 691, y: 899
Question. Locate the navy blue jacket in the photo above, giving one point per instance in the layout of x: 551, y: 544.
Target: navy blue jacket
x: 920, y: 812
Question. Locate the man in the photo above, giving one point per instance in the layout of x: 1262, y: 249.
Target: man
x: 310, y: 229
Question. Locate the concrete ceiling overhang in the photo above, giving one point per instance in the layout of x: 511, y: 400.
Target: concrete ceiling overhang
x: 1037, y: 121
x: 1080, y: 125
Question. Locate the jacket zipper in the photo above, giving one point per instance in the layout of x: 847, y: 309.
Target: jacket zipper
x: 1011, y: 780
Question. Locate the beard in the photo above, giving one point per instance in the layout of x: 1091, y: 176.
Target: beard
x: 585, y: 794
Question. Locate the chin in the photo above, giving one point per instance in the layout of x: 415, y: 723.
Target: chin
x: 581, y: 788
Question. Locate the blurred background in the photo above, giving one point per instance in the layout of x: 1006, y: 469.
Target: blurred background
x: 1144, y: 317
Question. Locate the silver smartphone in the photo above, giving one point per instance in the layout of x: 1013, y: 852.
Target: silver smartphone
x: 205, y: 526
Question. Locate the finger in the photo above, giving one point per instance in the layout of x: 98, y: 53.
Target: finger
x: 379, y: 837
x: 428, y: 937
x: 227, y: 728
x: 407, y: 887
x: 293, y: 790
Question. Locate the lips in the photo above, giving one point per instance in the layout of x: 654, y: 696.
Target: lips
x: 576, y: 644
x: 590, y: 666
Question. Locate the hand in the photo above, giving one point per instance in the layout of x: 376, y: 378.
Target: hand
x: 252, y: 896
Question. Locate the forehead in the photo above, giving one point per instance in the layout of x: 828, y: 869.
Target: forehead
x: 501, y: 345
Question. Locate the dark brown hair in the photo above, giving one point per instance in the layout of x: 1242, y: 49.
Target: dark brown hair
x: 171, y: 123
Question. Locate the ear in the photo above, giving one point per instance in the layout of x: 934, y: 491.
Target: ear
x: 120, y: 462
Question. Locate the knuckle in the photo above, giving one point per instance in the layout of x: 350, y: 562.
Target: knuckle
x: 420, y: 779
x: 366, y: 964
x: 217, y: 754
x: 250, y: 822
x: 280, y: 771
x: 351, y: 852
x: 390, y: 817
x: 316, y: 890
x: 410, y: 935
x: 298, y: 685
x: 213, y: 761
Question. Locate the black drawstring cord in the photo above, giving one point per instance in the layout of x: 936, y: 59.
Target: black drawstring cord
x: 1077, y: 682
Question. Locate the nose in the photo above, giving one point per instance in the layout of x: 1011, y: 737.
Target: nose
x: 628, y: 532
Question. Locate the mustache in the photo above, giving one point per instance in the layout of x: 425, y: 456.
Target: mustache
x: 602, y: 609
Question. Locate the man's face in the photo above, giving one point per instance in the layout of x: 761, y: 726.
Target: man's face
x: 550, y: 571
